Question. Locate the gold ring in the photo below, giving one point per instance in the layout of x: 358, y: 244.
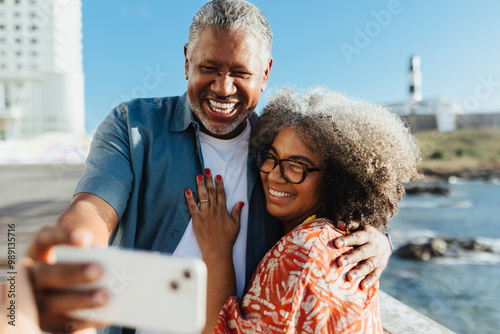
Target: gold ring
x: 204, y: 200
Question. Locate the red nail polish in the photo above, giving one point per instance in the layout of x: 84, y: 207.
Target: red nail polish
x: 188, y: 192
x: 241, y: 204
x: 218, y: 177
x: 207, y: 171
x: 200, y: 178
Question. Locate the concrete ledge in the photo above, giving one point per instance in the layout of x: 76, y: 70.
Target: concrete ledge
x: 399, y: 318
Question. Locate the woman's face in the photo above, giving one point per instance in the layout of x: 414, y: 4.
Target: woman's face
x: 292, y: 203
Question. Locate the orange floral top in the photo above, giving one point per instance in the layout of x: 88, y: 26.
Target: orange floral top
x: 298, y: 288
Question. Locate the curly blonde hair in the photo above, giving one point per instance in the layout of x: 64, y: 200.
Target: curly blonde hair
x: 367, y: 151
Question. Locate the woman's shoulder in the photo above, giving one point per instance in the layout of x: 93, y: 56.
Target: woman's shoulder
x: 312, y: 237
x: 316, y: 227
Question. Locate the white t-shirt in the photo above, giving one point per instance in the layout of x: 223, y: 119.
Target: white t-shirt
x: 228, y: 158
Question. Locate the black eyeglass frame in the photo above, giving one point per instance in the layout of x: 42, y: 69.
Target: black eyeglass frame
x: 277, y: 161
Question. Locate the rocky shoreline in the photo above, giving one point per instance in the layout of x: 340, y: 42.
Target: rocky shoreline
x: 483, y: 173
x: 441, y: 247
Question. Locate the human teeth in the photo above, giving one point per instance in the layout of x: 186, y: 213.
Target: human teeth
x: 222, y: 108
x: 279, y: 193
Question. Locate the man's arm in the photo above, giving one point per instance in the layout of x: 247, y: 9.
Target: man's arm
x: 372, y: 254
x: 89, y: 220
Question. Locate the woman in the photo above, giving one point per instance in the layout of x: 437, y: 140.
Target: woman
x: 326, y: 161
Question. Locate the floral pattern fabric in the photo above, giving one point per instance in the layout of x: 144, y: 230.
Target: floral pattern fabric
x: 298, y: 288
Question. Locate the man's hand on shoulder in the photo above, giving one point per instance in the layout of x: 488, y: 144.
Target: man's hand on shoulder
x: 371, y: 254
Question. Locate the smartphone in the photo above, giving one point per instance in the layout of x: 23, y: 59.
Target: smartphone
x: 147, y: 290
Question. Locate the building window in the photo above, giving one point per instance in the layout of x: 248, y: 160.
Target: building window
x: 17, y: 14
x: 33, y: 28
x: 34, y: 41
x: 18, y: 27
x: 2, y: 27
x: 19, y: 53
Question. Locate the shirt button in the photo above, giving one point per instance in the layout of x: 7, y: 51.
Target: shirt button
x: 175, y: 234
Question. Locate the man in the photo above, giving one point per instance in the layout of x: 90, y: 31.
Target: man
x: 148, y: 151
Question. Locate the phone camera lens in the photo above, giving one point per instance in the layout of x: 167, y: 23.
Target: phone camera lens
x: 187, y: 274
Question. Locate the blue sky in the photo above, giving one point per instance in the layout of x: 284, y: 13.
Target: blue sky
x: 134, y: 49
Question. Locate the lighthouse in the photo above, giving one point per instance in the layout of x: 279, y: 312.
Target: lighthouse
x: 415, y: 80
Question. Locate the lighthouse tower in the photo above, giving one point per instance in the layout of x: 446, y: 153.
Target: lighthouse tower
x: 415, y: 80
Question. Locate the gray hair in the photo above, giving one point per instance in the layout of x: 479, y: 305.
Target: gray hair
x: 237, y: 15
x: 367, y: 152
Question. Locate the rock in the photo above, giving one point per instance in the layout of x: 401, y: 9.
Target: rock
x: 414, y: 251
x: 419, y: 190
x: 438, y: 247
x: 475, y: 246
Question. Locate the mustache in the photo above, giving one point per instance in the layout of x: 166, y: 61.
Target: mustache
x: 239, y: 97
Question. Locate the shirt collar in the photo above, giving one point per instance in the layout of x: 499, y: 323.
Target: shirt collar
x: 183, y: 115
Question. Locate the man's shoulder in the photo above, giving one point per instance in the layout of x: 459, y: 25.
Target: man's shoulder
x: 140, y: 105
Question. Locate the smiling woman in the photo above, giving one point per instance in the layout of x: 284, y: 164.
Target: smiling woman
x: 292, y: 194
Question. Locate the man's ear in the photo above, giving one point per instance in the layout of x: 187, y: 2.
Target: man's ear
x: 186, y: 62
x: 267, y: 72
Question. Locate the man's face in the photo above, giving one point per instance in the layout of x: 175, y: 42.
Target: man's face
x: 225, y: 78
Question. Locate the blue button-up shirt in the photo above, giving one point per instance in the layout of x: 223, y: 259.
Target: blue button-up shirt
x: 142, y: 158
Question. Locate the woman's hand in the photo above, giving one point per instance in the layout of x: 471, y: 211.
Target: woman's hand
x: 216, y: 230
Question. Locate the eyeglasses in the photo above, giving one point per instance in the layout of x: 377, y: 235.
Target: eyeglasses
x: 292, y: 171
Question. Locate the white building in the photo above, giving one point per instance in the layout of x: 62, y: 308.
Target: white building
x: 440, y: 114
x: 425, y: 114
x: 41, y: 71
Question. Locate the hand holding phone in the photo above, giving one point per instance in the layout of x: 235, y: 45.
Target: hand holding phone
x: 147, y: 290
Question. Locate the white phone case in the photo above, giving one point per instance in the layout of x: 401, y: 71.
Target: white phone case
x: 147, y: 290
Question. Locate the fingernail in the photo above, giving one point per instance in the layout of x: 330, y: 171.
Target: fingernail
x: 339, y: 243
x: 342, y: 262
x: 241, y: 204
x: 100, y: 297
x: 92, y: 272
x: 188, y: 192
x: 81, y: 237
x: 352, y: 277
x: 218, y: 177
x: 364, y: 285
x: 199, y: 177
x: 207, y: 171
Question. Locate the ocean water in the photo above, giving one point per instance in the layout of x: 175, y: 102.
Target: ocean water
x: 463, y: 292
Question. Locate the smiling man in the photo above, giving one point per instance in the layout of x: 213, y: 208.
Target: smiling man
x: 148, y: 151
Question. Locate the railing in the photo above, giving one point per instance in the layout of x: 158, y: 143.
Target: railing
x: 399, y: 318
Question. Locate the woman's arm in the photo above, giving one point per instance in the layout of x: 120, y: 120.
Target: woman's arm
x: 297, y: 289
x: 216, y: 232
